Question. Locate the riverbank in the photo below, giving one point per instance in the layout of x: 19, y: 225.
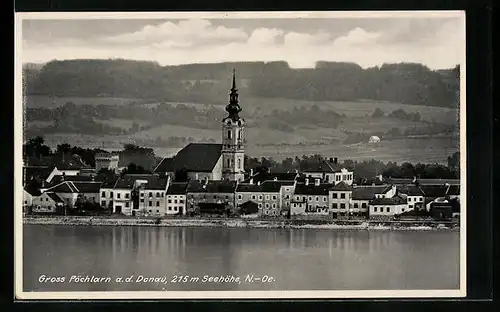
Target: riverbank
x: 249, y: 223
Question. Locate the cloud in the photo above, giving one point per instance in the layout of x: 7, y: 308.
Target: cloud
x: 200, y: 41
x: 265, y: 36
x: 195, y: 31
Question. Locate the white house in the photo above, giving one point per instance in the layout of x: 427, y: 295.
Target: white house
x: 313, y: 195
x: 47, y: 203
x: 176, y: 198
x: 387, y: 207
x: 340, y: 198
x: 331, y: 172
x: 415, y: 196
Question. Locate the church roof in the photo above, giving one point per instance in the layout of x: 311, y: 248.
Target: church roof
x: 195, y: 157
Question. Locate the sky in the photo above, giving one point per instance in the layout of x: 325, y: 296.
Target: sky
x: 435, y: 42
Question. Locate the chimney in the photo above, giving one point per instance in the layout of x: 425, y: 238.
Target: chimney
x: 335, y: 160
x: 251, y: 180
x: 92, y: 178
x: 275, y: 179
x: 331, y: 159
x: 43, y: 183
x: 307, y: 181
x: 316, y: 182
x: 251, y: 172
x: 258, y: 182
x: 63, y: 175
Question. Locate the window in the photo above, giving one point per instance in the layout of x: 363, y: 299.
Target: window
x: 375, y: 209
x: 157, y: 194
x: 103, y: 203
x: 175, y: 201
x: 387, y: 209
x: 267, y: 205
x: 334, y: 205
x: 229, y: 134
x: 118, y: 195
x: 111, y: 194
x: 175, y: 208
x: 342, y: 206
x: 317, y: 198
x: 142, y: 200
x: 181, y: 201
x: 260, y: 205
x: 324, y: 198
x: 403, y: 210
x: 150, y: 203
x: 409, y: 199
x: 150, y: 194
x: 267, y: 197
x: 215, y: 197
x: 103, y: 194
x: 334, y: 195
x: 310, y: 198
x: 157, y: 204
x: 142, y: 194
x: 169, y: 201
x: 363, y: 205
x: 355, y: 205
x: 253, y: 196
x: 274, y: 205
x: 240, y: 197
x: 157, y: 210
x: 260, y: 197
x: 126, y: 204
x: 297, y: 198
x: 127, y: 195
x: 274, y: 197
x: 342, y: 195
x: 169, y: 208
x: 227, y: 197
x: 239, y: 163
x: 150, y: 210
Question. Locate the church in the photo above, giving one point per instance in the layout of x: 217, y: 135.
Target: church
x: 208, y: 161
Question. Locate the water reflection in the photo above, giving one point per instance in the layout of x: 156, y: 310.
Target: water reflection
x: 297, y: 258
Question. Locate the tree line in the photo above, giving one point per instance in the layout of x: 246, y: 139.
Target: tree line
x: 399, y: 83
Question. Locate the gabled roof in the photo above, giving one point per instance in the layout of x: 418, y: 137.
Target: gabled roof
x: 434, y: 190
x: 35, y: 171
x: 73, y: 162
x: 411, y: 190
x: 177, y: 188
x: 87, y: 187
x: 195, y: 157
x: 212, y: 186
x: 279, y: 176
x: 75, y: 178
x: 265, y: 187
x: 249, y: 204
x: 366, y: 192
x: 453, y: 190
x: 396, y: 200
x: 423, y: 181
x: 311, y: 189
x: 76, y: 187
x: 325, y: 166
x: 341, y: 186
x: 54, y: 197
x: 154, y: 182
x: 33, y: 191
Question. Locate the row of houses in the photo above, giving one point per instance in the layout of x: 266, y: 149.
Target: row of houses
x: 262, y: 194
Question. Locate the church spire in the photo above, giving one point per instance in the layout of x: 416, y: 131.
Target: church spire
x: 233, y: 108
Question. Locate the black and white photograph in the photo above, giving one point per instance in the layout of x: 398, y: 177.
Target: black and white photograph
x: 196, y: 155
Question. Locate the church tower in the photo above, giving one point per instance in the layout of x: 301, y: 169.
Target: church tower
x: 233, y: 139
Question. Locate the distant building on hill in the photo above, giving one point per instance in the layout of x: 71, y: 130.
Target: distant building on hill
x: 105, y: 160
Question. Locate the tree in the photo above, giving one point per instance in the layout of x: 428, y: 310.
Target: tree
x: 454, y: 162
x: 378, y: 113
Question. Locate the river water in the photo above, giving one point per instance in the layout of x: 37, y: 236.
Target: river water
x: 284, y: 259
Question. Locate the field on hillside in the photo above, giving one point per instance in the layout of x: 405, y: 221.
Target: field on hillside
x: 34, y: 101
x: 266, y: 142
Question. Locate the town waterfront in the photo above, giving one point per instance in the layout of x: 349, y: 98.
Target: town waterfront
x: 288, y: 259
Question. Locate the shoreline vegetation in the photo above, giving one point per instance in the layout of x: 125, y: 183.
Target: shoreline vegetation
x: 402, y: 225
